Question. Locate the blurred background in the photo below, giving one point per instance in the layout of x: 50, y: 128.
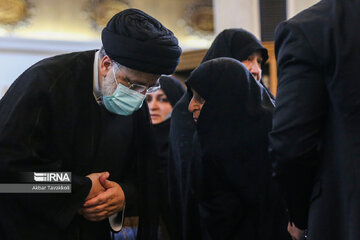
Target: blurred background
x: 31, y: 30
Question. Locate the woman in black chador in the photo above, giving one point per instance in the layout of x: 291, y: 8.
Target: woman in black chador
x: 234, y: 43
x: 160, y: 105
x: 232, y: 173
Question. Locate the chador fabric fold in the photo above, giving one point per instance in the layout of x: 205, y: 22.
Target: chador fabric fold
x: 235, y: 43
x: 138, y: 41
x: 172, y: 88
x: 232, y: 177
x: 160, y: 105
x: 239, y: 44
x: 173, y: 91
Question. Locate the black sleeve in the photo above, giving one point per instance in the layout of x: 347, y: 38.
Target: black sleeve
x: 298, y: 118
x: 131, y: 197
x: 147, y: 175
x: 25, y: 119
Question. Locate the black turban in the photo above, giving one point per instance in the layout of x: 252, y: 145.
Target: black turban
x: 235, y: 43
x: 138, y: 41
x: 172, y: 88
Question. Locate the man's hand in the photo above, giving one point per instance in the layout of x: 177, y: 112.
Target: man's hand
x: 105, y: 204
x: 96, y: 187
x: 296, y: 233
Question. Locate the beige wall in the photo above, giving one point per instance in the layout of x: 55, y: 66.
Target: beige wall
x: 296, y: 6
x: 237, y: 14
x: 70, y: 20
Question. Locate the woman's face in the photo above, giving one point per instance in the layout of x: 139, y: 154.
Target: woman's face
x: 196, y: 104
x: 159, y: 106
x: 253, y: 64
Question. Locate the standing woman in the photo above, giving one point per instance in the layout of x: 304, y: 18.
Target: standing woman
x: 233, y: 174
x: 233, y: 43
x: 160, y: 105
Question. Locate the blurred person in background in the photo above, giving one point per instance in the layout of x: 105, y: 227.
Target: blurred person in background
x: 243, y: 46
x: 160, y: 105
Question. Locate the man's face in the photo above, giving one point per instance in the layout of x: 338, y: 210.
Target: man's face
x: 253, y: 64
x: 127, y: 77
x: 124, y: 75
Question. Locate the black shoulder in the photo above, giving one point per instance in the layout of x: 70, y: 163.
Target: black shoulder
x: 76, y: 65
x: 313, y: 25
x: 65, y: 60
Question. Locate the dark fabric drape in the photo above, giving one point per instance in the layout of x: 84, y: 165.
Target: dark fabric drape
x: 235, y: 43
x: 181, y: 134
x: 239, y: 44
x: 233, y: 182
x: 172, y: 88
x: 173, y: 91
x: 315, y: 136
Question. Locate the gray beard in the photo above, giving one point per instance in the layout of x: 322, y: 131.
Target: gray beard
x: 108, y: 85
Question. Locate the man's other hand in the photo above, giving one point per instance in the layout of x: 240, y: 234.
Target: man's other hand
x: 106, y: 203
x: 296, y: 233
x: 96, y: 187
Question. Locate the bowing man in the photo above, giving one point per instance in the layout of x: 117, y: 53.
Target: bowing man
x: 83, y: 113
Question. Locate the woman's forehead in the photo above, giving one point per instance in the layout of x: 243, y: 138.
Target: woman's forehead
x: 157, y: 93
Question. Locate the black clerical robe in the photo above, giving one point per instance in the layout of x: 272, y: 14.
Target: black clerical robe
x: 50, y: 121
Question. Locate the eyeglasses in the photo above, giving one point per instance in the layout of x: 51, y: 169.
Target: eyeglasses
x: 138, y: 87
x: 155, y: 87
x: 142, y: 88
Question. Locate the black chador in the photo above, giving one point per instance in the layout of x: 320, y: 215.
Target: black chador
x: 236, y: 196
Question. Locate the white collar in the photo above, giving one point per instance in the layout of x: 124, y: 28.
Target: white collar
x: 96, y: 87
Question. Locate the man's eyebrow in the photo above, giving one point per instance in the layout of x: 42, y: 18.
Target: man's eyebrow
x: 133, y: 81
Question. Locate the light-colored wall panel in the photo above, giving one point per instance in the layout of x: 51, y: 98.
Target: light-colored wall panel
x: 17, y: 54
x: 296, y: 6
x: 237, y: 14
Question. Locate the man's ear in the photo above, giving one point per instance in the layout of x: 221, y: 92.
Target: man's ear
x: 105, y: 66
